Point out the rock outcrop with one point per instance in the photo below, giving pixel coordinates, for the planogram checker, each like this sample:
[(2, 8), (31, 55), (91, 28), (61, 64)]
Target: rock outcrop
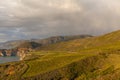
[(23, 47), (21, 52)]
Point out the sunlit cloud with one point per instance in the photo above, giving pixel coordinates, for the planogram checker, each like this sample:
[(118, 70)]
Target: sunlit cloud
[(25, 19)]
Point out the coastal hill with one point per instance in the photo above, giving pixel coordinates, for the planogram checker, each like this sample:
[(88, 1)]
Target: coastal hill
[(22, 47), (93, 58), (50, 40)]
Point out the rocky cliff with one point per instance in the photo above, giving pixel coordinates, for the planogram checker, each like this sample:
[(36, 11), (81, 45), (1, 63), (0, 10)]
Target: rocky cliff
[(21, 52), (22, 47)]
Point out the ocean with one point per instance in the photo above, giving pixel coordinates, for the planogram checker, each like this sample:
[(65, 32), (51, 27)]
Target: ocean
[(8, 59)]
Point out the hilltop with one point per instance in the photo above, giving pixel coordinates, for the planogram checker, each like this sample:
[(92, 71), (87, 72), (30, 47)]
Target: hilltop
[(46, 41), (110, 40), (91, 58)]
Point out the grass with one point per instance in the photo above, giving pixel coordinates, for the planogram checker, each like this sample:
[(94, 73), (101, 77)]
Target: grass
[(104, 41), (96, 58), (12, 71), (50, 62), (73, 66), (68, 65)]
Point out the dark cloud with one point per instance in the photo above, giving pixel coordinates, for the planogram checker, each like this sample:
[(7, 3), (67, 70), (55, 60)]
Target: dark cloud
[(25, 19)]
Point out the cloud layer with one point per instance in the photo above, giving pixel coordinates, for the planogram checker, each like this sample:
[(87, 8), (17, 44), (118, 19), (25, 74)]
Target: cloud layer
[(25, 19)]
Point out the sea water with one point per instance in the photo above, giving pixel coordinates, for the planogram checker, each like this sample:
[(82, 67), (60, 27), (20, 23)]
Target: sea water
[(9, 59)]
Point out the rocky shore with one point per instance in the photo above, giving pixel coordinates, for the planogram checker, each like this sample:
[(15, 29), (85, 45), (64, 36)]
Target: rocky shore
[(21, 52)]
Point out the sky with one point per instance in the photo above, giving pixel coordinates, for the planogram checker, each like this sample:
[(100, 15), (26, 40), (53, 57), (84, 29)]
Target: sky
[(36, 19)]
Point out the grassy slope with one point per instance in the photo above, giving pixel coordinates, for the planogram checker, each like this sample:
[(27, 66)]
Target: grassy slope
[(109, 43), (51, 62), (74, 66), (110, 40), (94, 58)]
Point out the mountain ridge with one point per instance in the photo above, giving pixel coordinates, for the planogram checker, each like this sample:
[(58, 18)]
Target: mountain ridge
[(50, 40), (97, 41)]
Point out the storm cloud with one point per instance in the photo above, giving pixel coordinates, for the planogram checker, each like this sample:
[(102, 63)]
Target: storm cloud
[(26, 19)]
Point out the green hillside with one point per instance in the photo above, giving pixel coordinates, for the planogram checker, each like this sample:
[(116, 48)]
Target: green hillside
[(110, 40), (96, 58), (38, 42)]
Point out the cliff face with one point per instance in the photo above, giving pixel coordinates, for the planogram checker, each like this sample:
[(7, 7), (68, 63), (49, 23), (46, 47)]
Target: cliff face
[(22, 47), (21, 52)]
